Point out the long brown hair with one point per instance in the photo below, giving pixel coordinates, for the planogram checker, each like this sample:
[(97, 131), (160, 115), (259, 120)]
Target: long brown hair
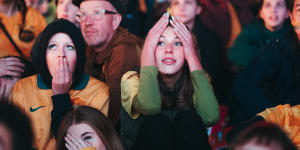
[(94, 119), (180, 97)]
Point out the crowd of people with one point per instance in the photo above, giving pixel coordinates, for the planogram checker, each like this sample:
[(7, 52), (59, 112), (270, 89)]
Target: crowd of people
[(149, 74)]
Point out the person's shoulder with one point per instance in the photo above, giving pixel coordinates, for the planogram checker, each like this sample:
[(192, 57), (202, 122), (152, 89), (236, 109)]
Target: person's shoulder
[(254, 27), (95, 83), (28, 81), (26, 85), (126, 38)]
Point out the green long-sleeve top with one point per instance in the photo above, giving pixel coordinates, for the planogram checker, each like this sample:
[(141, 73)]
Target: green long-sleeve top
[(252, 38), (141, 94)]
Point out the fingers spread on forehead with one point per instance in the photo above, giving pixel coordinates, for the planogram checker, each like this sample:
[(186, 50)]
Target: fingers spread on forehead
[(161, 24), (180, 25), (70, 144), (179, 31), (80, 143)]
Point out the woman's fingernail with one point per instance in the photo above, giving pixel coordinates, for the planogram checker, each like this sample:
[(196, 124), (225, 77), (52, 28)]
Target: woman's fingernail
[(171, 21), (177, 17), (168, 14), (172, 17)]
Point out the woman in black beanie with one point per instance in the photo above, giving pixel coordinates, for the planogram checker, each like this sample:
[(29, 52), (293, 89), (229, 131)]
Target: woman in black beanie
[(60, 85)]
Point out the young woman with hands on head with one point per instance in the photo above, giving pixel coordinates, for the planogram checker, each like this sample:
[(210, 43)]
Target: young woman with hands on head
[(171, 100)]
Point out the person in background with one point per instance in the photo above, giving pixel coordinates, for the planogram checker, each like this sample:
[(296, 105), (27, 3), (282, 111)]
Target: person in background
[(262, 136), (67, 10), (112, 50), (272, 23), (272, 78), (60, 84), (15, 128), (20, 26), (168, 104), (86, 128)]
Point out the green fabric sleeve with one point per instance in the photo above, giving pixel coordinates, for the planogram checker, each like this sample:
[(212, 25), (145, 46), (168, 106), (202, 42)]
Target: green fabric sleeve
[(148, 101), (206, 104)]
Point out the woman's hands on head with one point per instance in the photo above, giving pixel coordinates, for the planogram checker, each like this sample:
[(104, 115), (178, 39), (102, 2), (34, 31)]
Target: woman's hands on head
[(187, 40), (62, 78), (147, 57), (185, 36), (75, 143)]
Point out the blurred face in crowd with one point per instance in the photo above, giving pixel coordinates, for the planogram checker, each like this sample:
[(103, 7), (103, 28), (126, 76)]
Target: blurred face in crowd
[(96, 26), (67, 10), (5, 138), (187, 10), (295, 16), (274, 13), (87, 134), (253, 145), (169, 53), (61, 47)]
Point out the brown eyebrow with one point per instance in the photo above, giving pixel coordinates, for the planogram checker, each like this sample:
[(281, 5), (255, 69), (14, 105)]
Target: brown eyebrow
[(85, 133)]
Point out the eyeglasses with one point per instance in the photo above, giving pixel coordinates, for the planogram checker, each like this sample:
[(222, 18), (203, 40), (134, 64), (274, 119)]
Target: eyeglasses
[(98, 14)]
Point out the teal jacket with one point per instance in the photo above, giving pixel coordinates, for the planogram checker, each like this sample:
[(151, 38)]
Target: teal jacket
[(252, 38)]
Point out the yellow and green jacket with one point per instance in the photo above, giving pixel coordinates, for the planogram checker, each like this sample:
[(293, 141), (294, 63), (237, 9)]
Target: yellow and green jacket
[(35, 98)]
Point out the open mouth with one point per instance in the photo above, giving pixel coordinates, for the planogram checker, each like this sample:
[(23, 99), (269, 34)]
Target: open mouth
[(168, 61), (273, 18)]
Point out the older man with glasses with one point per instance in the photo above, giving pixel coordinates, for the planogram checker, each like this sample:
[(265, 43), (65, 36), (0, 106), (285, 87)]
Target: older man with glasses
[(112, 50)]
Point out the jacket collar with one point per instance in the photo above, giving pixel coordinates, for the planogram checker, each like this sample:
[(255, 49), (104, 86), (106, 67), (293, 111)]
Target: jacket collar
[(81, 85)]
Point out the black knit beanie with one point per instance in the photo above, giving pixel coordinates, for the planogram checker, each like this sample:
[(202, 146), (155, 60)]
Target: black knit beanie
[(38, 53), (119, 6)]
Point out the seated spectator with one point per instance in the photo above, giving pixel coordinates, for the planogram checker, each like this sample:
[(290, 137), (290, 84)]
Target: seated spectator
[(15, 128), (273, 77), (272, 23), (19, 28), (262, 136), (86, 128), (209, 44), (171, 98), (67, 10), (61, 83), (112, 50)]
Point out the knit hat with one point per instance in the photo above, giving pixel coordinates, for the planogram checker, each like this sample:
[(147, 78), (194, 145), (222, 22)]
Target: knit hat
[(38, 53), (119, 6)]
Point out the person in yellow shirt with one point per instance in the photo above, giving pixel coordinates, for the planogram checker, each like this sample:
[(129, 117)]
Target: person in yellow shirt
[(60, 84), (22, 25)]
